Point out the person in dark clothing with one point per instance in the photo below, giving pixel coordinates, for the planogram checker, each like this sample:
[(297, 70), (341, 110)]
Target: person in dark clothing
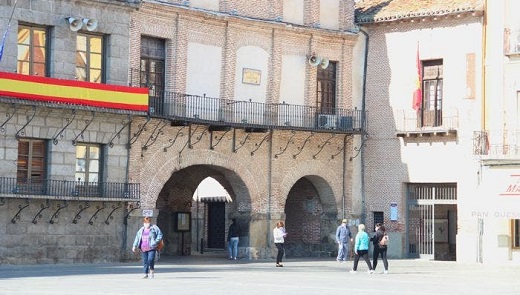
[(378, 248), (232, 239)]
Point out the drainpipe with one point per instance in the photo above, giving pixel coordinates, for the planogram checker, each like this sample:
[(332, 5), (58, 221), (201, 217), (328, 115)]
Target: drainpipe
[(127, 176), (269, 188), (363, 125)]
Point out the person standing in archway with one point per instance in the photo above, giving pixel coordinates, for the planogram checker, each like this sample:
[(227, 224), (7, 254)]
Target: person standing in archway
[(343, 237), (147, 239), (232, 239), (279, 235)]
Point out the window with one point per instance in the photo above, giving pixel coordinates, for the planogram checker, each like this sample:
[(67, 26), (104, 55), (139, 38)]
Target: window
[(152, 71), (431, 112), (32, 50), (89, 58), (88, 163), (326, 95), (515, 225), (31, 163), (379, 217)]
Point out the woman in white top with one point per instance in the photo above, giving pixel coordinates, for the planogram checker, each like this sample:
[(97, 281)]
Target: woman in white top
[(279, 235)]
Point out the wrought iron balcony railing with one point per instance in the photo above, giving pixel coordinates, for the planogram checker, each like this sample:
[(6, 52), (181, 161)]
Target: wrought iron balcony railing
[(426, 121), (69, 189), (497, 144), (247, 114)]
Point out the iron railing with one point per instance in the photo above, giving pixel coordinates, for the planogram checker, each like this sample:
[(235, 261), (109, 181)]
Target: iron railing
[(497, 143), (70, 189), (426, 120), (249, 114)]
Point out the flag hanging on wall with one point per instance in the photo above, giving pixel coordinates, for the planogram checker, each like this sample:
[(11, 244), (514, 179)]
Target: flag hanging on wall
[(3, 43), (417, 94)]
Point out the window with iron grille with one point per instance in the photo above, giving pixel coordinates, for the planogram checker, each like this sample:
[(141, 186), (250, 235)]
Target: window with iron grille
[(33, 50), (90, 58), (379, 217)]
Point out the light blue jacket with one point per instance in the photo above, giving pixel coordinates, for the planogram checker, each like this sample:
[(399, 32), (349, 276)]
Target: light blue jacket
[(153, 239), (362, 241)]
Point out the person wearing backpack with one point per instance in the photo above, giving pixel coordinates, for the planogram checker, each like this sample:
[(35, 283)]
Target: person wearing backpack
[(146, 240), (380, 242)]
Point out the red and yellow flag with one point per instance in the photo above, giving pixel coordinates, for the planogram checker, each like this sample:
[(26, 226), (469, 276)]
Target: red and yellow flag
[(417, 94), (54, 90)]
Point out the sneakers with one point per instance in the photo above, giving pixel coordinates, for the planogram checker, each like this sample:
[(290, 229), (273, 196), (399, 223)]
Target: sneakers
[(352, 271), (151, 275), (385, 272), (370, 272), (145, 277)]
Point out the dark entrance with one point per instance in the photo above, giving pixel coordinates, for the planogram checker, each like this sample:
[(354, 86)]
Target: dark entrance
[(216, 225)]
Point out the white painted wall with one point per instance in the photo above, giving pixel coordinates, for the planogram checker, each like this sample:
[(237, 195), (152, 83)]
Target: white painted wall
[(206, 4), (293, 11), (329, 14)]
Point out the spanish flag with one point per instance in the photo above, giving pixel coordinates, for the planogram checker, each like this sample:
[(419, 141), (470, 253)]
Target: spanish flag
[(417, 94)]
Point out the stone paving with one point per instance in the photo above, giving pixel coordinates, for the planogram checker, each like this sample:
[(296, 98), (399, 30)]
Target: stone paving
[(210, 275)]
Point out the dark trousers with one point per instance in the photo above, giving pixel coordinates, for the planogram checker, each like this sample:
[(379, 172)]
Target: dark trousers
[(377, 252), (364, 254), (281, 251)]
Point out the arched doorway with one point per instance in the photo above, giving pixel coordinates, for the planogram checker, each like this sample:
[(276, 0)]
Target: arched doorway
[(311, 218), (176, 201)]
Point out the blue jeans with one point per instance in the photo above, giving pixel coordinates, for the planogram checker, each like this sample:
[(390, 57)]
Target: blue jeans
[(148, 260), (233, 247), (342, 251)]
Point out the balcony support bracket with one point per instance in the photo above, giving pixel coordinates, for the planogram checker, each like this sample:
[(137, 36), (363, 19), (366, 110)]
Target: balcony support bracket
[(340, 149), (81, 209), (60, 133), (361, 146), (218, 139), (56, 213), (9, 115), (173, 140), (126, 123), (140, 129), (303, 145), (99, 208), (29, 119), (131, 207), (20, 209), (258, 145), (87, 123), (114, 208), (39, 214), (282, 150), (241, 143), (153, 137), (323, 145)]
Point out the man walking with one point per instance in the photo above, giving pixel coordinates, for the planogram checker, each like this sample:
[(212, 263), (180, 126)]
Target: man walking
[(343, 237)]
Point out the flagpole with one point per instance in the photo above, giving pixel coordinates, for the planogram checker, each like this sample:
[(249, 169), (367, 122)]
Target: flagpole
[(7, 30)]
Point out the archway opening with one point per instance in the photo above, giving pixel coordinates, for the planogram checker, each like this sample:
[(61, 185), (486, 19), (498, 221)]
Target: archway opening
[(311, 218)]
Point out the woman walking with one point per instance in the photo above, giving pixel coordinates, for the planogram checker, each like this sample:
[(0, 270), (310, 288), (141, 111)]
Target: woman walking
[(361, 249), (279, 237), (380, 247), (147, 239)]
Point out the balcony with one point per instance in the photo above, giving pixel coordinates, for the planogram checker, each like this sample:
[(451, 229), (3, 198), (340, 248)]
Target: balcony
[(412, 123), (497, 144), (185, 108), (512, 41), (69, 190)]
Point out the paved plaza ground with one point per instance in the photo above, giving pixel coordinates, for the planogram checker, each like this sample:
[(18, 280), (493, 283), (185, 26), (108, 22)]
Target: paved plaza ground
[(200, 274)]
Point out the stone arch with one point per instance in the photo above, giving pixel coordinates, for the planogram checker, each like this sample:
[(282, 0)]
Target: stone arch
[(327, 183), (159, 169)]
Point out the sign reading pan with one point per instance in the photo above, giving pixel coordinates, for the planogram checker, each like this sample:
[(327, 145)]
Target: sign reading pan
[(251, 76)]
